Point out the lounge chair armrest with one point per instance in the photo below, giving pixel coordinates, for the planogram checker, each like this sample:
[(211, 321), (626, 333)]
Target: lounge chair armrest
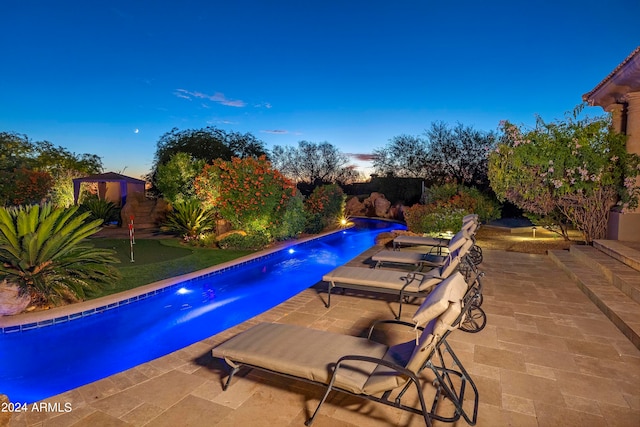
[(394, 322), (400, 369), (413, 274)]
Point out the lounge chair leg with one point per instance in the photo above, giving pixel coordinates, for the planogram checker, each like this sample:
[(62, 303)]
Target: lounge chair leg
[(400, 308), (329, 287), (231, 374), (324, 398)]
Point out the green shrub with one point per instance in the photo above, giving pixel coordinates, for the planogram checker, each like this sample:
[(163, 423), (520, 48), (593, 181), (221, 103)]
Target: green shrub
[(434, 219), (324, 207), (190, 219), (461, 197), (100, 209), (237, 241), (440, 193), (293, 220)]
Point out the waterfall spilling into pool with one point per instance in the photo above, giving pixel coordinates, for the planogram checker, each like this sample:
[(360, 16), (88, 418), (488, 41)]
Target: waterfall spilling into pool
[(44, 361)]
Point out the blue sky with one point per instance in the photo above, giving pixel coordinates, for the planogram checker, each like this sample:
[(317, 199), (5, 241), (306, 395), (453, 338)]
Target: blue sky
[(110, 77)]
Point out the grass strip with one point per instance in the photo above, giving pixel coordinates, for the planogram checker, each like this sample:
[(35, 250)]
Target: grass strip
[(158, 259)]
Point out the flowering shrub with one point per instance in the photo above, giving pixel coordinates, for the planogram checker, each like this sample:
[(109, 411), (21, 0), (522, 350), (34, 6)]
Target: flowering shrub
[(462, 197), (434, 218), (324, 207), (578, 168), (26, 187), (247, 192)]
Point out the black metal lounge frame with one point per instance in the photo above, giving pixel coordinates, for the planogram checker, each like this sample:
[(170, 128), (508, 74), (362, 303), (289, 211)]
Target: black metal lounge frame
[(403, 294), (445, 385)]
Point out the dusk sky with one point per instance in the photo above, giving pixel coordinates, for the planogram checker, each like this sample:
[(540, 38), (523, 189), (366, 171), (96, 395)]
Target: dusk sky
[(110, 77)]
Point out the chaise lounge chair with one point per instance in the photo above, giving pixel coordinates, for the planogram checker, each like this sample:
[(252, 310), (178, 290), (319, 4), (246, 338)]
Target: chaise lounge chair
[(470, 224), (404, 284), (361, 367), (433, 258)]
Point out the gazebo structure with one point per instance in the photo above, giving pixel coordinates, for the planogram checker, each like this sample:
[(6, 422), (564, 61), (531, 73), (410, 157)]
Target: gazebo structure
[(619, 94), (112, 186)]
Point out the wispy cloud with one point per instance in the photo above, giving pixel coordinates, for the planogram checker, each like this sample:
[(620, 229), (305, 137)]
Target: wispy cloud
[(221, 121), (217, 97), (363, 157), (266, 105), (275, 131)]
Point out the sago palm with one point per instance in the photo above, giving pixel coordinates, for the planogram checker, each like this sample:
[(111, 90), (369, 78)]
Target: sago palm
[(190, 219), (44, 252)]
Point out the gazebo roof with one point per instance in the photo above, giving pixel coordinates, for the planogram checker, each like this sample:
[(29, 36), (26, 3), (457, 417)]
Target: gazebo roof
[(623, 79), (109, 177)]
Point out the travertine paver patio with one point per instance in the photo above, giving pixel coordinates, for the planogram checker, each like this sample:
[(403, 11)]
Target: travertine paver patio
[(548, 357)]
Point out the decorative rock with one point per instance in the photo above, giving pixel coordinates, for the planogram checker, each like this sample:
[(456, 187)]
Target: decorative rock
[(159, 211), (381, 207), (354, 207), (11, 302)]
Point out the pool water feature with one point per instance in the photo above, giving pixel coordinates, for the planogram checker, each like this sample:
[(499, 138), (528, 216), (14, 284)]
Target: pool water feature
[(41, 362)]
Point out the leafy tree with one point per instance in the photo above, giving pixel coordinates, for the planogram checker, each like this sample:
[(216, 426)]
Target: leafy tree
[(24, 163), (247, 192), (313, 163), (64, 166), (175, 178), (578, 168), (442, 154), (206, 144), (44, 252), (405, 156), (459, 154)]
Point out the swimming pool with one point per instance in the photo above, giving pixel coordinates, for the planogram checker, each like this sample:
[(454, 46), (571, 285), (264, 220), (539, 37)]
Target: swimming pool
[(45, 361)]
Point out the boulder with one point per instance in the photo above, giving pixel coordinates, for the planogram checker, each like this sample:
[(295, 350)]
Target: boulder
[(11, 302), (354, 207), (381, 207), (369, 203)]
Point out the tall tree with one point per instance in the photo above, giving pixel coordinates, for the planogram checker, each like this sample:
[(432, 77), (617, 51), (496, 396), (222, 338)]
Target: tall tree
[(459, 154), (313, 163), (207, 144), (441, 154), (405, 156)]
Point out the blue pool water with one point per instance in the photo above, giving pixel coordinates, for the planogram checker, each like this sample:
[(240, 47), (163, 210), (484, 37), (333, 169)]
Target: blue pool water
[(42, 362)]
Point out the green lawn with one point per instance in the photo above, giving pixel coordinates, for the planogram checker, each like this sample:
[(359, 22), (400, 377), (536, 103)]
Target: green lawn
[(157, 259)]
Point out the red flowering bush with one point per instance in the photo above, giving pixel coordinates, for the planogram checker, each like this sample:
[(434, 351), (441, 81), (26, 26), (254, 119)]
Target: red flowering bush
[(247, 192), (27, 187)]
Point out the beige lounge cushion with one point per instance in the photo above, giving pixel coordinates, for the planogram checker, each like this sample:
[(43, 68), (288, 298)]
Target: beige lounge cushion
[(399, 257), (383, 279), (303, 352), (431, 335), (452, 289)]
